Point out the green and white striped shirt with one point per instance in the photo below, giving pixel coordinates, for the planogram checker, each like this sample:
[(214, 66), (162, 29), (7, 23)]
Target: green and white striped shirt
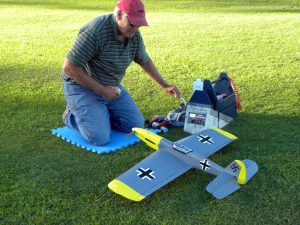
[(98, 50)]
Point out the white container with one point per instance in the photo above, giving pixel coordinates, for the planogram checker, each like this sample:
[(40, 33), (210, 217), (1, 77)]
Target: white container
[(198, 85)]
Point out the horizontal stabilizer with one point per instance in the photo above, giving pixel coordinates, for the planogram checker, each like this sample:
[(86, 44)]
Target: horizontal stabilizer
[(223, 185), (228, 181)]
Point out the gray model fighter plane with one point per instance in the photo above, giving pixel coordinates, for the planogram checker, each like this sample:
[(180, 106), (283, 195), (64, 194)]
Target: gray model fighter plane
[(175, 158)]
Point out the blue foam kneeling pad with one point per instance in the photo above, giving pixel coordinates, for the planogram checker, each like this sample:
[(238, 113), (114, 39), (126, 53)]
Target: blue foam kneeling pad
[(118, 140)]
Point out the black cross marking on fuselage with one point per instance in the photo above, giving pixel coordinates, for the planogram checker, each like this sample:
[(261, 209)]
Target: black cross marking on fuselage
[(205, 165), (205, 139), (145, 173)]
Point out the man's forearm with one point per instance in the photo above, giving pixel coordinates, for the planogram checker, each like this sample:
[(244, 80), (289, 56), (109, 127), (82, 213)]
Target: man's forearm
[(151, 70), (81, 77)]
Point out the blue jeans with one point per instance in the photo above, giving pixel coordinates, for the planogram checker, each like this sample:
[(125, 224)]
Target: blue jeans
[(93, 116)]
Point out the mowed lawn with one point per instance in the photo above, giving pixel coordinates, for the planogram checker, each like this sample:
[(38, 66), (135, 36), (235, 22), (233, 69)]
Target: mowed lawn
[(44, 180)]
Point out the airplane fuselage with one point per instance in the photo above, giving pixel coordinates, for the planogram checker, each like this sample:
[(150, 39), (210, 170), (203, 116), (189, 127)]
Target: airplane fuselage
[(191, 157)]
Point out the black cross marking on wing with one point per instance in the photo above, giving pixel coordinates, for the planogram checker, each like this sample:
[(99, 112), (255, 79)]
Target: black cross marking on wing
[(205, 139), (145, 173)]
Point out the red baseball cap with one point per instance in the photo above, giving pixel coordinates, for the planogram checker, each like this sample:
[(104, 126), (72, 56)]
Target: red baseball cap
[(135, 11)]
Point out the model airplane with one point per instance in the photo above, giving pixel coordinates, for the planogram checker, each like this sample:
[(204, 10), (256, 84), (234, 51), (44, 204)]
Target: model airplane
[(173, 159)]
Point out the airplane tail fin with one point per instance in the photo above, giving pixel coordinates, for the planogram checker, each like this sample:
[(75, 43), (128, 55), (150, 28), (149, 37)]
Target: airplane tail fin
[(238, 172)]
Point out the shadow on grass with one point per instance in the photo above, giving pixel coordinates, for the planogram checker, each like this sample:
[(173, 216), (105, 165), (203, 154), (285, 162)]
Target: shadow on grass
[(228, 6), (33, 161)]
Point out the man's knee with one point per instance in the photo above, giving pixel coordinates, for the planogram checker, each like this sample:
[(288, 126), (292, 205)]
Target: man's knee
[(139, 121), (99, 138), (126, 124)]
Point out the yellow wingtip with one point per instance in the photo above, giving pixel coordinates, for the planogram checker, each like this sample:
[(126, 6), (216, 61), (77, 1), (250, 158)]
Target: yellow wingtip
[(123, 189), (241, 179), (225, 133), (151, 139)]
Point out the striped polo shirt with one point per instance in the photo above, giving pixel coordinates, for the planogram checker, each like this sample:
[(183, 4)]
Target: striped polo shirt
[(98, 51)]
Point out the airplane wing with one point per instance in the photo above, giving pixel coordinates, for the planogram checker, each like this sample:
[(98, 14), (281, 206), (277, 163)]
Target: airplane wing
[(149, 175), (205, 143)]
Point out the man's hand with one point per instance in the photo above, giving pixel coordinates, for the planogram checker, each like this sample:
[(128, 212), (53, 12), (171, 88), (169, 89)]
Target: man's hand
[(110, 92), (173, 90)]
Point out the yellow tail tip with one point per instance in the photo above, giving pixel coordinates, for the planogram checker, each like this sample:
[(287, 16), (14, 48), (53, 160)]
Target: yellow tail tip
[(241, 179)]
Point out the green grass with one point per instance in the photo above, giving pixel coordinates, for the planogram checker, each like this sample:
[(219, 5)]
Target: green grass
[(44, 180)]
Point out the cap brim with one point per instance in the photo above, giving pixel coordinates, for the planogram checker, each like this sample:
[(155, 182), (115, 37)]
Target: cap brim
[(137, 21)]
